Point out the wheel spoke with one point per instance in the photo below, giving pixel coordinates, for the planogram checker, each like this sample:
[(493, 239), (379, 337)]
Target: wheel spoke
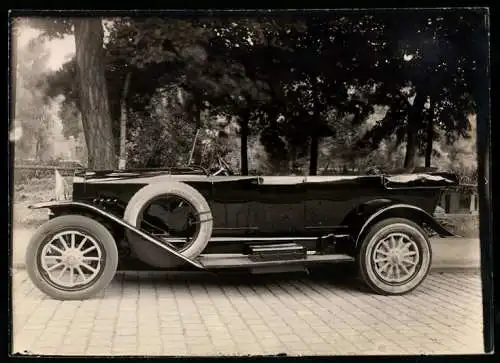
[(404, 247), (90, 268), (61, 273), (63, 241), (80, 272), (53, 257), (413, 263), (400, 244), (82, 242), (72, 240), (384, 268), (394, 272), (71, 276), (55, 266), (91, 258), (89, 249), (384, 253), (386, 271), (398, 273), (403, 267), (382, 259), (410, 253), (386, 245), (393, 242), (52, 248)]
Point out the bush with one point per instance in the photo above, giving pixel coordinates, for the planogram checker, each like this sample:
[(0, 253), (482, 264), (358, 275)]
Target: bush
[(464, 225)]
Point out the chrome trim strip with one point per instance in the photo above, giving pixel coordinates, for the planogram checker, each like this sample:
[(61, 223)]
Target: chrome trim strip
[(236, 239), (342, 235), (257, 239), (284, 248), (236, 228)]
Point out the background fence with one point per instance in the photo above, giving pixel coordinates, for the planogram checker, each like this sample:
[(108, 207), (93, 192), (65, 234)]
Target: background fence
[(25, 173)]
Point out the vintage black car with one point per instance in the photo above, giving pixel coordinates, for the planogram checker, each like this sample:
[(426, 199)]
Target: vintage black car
[(189, 218)]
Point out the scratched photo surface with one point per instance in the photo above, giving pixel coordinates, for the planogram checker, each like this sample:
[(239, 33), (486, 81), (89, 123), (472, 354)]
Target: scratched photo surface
[(258, 183)]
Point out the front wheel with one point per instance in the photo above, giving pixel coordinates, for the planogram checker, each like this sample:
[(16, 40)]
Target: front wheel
[(395, 257), (71, 257)]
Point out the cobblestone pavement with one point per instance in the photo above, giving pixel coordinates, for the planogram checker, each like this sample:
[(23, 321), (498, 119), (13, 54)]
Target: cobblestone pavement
[(197, 314)]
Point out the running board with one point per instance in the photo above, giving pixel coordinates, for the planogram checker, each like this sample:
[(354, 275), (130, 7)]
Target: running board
[(222, 261)]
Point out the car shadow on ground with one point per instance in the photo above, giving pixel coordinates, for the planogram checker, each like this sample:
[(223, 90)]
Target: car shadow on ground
[(341, 277)]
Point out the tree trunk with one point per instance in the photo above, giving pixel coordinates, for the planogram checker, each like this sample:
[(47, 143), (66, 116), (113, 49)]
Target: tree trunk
[(94, 103), (430, 139), (313, 163), (122, 162), (197, 154), (37, 149), (411, 145), (293, 158), (244, 144), (414, 121)]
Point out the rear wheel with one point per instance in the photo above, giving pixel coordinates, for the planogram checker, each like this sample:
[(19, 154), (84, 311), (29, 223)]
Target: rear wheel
[(71, 257), (395, 257)]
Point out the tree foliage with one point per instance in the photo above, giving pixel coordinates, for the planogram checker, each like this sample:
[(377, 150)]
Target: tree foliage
[(426, 80), (33, 111), (305, 87)]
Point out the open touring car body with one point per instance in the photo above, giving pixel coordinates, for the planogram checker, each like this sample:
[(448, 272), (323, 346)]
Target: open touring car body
[(263, 223)]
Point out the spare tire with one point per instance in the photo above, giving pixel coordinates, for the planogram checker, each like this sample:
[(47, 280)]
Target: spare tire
[(152, 254)]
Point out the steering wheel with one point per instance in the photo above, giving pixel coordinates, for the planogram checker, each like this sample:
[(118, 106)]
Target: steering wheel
[(224, 167)]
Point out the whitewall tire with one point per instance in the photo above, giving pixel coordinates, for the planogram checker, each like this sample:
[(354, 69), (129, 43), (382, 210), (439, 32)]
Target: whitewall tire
[(395, 257)]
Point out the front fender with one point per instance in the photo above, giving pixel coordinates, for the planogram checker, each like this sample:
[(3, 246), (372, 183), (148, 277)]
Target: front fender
[(407, 211), (56, 204), (81, 206)]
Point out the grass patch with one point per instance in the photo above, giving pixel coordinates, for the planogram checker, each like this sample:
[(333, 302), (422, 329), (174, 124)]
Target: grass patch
[(31, 191), (34, 190)]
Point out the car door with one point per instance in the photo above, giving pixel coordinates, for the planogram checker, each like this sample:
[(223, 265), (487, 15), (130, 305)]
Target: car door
[(233, 205), (329, 199), (281, 205)]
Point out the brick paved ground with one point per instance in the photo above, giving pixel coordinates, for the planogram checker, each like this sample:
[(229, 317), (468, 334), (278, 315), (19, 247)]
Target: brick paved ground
[(155, 314)]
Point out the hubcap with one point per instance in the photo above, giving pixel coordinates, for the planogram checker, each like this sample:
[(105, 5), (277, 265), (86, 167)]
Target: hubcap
[(71, 259), (396, 258)]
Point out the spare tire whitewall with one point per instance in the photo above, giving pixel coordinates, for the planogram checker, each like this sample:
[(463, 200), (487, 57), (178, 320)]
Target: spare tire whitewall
[(152, 254), (395, 256), (71, 257)]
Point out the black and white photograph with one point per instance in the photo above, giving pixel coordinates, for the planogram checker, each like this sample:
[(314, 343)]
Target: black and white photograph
[(235, 183)]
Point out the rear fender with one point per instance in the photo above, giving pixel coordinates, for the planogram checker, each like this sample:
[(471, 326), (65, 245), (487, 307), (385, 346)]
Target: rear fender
[(410, 212), (356, 218), (70, 206)]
